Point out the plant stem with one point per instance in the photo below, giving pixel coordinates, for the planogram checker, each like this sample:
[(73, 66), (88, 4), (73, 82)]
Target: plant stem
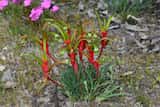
[(55, 82), (100, 52)]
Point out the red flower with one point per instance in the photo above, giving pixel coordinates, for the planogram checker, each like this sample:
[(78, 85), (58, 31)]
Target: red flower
[(94, 62), (45, 68), (72, 56), (81, 47), (104, 39), (104, 42), (67, 42), (69, 32), (104, 34), (96, 66), (47, 50), (75, 67), (91, 55)]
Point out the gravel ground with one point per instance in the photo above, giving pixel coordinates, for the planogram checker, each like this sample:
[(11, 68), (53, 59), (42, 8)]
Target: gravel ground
[(135, 51)]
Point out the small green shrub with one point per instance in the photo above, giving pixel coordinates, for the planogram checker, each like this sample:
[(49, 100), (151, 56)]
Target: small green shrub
[(128, 7), (86, 87)]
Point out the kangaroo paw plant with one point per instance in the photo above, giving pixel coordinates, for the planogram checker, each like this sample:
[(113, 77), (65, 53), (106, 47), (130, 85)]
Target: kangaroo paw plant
[(84, 78)]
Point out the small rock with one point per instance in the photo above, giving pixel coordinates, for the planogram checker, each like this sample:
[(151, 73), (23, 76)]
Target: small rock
[(143, 35), (43, 99), (5, 48), (158, 1), (104, 13), (2, 67), (3, 57), (156, 48), (101, 5), (90, 13), (56, 71), (114, 27), (155, 39), (61, 97), (49, 90), (9, 84), (81, 6), (49, 105), (128, 73), (69, 104), (63, 104), (135, 28), (34, 101), (7, 76)]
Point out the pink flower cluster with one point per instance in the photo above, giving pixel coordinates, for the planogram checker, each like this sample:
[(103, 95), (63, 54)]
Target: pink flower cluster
[(3, 4), (35, 12), (27, 3), (38, 11)]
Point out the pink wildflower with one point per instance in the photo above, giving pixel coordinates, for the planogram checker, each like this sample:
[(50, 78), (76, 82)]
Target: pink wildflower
[(54, 8), (27, 3), (45, 4), (36, 13), (16, 1), (3, 4)]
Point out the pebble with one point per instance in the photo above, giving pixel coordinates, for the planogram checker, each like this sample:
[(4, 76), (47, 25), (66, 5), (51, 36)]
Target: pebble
[(69, 104), (7, 76), (3, 58), (143, 35), (90, 13), (101, 5), (5, 48), (135, 28), (104, 13), (9, 84), (2, 67), (56, 71), (158, 1), (81, 6), (61, 97), (43, 99)]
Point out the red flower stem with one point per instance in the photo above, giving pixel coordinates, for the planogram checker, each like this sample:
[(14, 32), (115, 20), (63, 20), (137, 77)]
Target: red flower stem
[(54, 82), (52, 57), (96, 66), (47, 50), (100, 52), (74, 64)]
